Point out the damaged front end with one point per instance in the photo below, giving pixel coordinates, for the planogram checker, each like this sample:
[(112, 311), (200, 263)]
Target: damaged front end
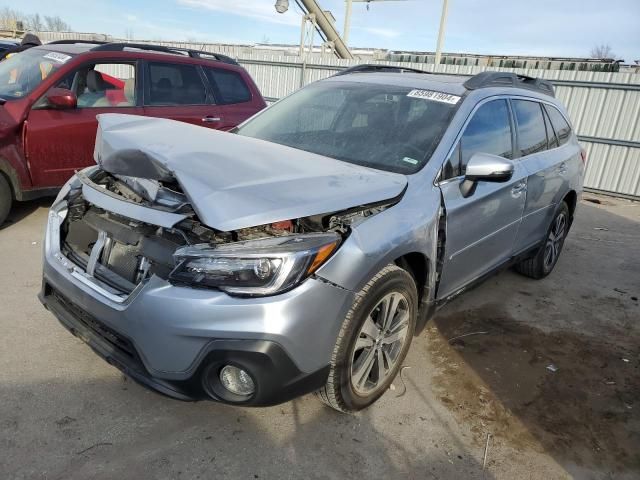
[(116, 231)]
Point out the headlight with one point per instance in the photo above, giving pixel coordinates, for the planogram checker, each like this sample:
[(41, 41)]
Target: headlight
[(254, 268)]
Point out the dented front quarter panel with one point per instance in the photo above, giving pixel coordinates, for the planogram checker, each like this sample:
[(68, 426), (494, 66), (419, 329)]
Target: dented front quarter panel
[(411, 226)]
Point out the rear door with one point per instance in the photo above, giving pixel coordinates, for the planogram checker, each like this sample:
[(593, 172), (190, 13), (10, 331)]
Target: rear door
[(546, 163), (480, 229), (232, 95), (59, 142), (179, 91)]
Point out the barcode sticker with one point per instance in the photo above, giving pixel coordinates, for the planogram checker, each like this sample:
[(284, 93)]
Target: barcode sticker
[(434, 96), (58, 57)]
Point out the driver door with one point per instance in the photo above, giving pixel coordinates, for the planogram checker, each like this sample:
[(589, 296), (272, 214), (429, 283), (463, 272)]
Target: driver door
[(481, 228), (59, 142)]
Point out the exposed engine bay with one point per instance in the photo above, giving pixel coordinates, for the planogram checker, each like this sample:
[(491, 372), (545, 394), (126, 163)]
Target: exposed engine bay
[(132, 251)]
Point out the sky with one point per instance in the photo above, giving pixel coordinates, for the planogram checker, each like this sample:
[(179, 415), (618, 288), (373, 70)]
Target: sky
[(560, 28)]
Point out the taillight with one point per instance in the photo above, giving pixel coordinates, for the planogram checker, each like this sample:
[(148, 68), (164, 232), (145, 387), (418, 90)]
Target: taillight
[(583, 155)]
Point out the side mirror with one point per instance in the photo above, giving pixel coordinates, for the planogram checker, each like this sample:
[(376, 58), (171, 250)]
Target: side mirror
[(62, 99), (485, 167)]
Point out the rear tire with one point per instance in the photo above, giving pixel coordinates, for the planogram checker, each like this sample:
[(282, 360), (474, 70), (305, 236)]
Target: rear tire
[(542, 264), (373, 341), (5, 198)]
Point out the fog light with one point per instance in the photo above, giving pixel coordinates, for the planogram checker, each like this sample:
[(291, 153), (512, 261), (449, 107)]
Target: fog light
[(237, 381)]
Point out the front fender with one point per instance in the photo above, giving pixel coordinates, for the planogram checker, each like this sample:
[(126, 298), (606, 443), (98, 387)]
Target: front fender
[(408, 227)]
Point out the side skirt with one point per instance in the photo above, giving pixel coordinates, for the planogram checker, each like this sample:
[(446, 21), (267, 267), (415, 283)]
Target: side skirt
[(528, 253)]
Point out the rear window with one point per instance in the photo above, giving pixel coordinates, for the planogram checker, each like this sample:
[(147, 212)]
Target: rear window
[(228, 86), (387, 127)]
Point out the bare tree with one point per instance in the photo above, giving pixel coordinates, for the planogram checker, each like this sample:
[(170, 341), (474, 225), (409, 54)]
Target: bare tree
[(56, 24), (9, 18), (602, 51), (34, 23)]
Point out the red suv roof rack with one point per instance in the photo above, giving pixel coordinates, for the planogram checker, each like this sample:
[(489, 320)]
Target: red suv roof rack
[(118, 47)]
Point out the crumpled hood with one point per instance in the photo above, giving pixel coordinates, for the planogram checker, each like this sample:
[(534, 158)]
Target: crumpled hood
[(236, 182)]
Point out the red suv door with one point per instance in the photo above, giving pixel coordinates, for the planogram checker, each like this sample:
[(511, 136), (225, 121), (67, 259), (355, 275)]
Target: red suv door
[(233, 95), (59, 142), (178, 91)]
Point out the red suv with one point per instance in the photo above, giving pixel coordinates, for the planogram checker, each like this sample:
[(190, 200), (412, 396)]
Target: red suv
[(50, 96)]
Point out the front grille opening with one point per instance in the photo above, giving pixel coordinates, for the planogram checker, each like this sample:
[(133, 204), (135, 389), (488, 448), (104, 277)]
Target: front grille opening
[(131, 253)]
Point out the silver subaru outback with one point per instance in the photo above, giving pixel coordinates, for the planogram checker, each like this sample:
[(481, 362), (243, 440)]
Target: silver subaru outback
[(303, 251)]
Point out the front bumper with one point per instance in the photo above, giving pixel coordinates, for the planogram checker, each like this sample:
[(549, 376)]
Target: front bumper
[(278, 378), (165, 336)]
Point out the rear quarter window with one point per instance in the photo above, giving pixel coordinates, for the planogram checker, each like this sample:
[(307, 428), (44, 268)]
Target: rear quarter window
[(560, 125)]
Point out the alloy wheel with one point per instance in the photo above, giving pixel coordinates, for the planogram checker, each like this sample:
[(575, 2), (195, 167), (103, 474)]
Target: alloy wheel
[(378, 346), (554, 241)]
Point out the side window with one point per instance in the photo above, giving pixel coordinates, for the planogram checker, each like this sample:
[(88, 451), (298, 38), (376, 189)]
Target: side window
[(451, 167), (560, 125), (532, 136), (489, 131), (228, 86), (103, 85), (175, 84)]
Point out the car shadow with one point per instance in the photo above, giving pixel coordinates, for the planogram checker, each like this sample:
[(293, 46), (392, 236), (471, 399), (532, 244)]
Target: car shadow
[(21, 210), (553, 365)]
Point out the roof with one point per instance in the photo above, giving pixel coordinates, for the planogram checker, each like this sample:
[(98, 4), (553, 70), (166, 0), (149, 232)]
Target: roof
[(452, 84), (71, 48)]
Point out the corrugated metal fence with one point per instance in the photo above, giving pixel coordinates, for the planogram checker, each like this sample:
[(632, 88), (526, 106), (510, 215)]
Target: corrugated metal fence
[(604, 107)]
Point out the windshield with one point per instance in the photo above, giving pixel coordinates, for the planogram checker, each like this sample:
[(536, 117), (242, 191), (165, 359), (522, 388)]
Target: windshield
[(24, 71), (381, 126)]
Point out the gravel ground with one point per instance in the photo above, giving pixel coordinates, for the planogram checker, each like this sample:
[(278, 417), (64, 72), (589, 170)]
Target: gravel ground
[(66, 414)]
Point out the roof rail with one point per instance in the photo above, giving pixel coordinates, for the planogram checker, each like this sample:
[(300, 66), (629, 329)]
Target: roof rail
[(509, 79), (118, 47), (73, 42), (371, 67)]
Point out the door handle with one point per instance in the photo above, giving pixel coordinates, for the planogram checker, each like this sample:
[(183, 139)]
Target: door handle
[(211, 119), (517, 189)]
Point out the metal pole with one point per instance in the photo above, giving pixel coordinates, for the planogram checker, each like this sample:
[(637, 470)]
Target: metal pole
[(302, 32), (443, 23), (347, 22)]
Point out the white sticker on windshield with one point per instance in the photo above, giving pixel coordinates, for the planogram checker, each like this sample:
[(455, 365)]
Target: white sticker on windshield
[(58, 57), (410, 160), (435, 96)]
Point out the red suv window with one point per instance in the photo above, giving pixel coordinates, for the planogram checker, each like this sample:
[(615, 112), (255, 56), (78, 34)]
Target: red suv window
[(175, 84), (229, 87)]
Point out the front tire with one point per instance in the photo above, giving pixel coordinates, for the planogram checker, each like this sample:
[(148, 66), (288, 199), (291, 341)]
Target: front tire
[(373, 341), (545, 260), (5, 198)]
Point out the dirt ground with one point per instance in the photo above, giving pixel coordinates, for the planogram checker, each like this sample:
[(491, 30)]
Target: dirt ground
[(515, 379)]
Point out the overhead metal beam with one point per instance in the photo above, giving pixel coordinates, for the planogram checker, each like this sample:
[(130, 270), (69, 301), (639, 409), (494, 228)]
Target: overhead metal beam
[(328, 28)]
